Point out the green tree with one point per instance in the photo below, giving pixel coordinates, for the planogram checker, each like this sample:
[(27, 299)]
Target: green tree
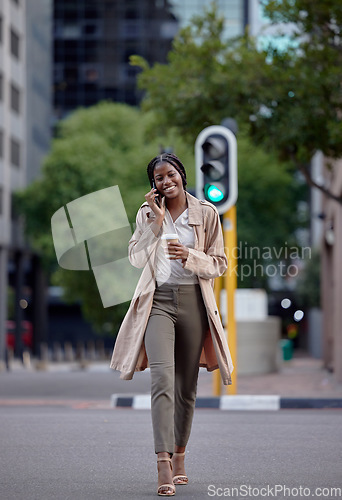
[(288, 101), (95, 148), (207, 79), (267, 215)]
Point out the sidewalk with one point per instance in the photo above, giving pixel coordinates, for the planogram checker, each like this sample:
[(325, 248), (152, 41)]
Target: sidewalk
[(301, 377), (301, 383)]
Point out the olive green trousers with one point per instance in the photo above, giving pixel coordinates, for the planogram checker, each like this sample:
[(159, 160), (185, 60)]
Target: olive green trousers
[(173, 339)]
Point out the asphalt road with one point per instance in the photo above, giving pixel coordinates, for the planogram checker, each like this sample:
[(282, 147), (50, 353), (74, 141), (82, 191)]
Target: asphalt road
[(97, 383), (62, 453)]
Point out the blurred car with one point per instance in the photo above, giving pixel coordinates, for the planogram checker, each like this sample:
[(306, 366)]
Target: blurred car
[(26, 336)]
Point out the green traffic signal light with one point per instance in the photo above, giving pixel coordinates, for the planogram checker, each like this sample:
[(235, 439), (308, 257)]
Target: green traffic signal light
[(216, 172), (213, 193)]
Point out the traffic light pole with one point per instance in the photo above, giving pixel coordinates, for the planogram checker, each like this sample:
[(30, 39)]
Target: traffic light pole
[(230, 282), (216, 179)]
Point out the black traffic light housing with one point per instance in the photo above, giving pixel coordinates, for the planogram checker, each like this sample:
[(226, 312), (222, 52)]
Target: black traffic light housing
[(216, 167)]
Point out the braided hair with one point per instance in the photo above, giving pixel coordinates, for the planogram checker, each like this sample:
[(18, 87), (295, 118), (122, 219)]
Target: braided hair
[(166, 158)]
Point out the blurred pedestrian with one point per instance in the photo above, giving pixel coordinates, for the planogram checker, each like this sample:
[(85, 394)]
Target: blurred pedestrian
[(173, 324)]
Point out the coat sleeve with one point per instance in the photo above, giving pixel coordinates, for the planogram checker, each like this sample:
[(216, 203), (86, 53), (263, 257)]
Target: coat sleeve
[(143, 241), (212, 262)]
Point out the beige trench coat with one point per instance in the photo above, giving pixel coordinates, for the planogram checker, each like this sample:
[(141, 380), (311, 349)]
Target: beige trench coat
[(207, 260)]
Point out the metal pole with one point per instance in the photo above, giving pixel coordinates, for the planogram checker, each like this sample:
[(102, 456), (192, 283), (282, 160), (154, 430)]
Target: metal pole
[(19, 283), (3, 305), (230, 240), (39, 305)]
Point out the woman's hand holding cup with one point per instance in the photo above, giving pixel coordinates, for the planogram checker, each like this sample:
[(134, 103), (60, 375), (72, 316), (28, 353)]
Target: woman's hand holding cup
[(173, 248)]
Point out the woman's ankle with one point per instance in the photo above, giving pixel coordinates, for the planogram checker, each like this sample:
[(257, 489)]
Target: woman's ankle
[(179, 449)]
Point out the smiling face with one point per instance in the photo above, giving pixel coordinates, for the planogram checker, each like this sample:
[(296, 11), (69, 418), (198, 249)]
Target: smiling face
[(168, 180)]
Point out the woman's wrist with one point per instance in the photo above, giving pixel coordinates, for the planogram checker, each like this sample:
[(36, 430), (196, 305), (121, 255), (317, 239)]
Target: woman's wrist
[(156, 226), (159, 220)]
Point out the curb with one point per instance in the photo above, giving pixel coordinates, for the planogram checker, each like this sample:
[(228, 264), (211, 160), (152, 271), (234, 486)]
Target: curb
[(242, 402)]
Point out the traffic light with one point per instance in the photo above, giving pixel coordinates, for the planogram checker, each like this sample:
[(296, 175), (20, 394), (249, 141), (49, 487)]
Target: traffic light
[(216, 167)]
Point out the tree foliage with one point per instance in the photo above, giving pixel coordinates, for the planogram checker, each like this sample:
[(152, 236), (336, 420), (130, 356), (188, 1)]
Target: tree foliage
[(267, 214), (287, 100)]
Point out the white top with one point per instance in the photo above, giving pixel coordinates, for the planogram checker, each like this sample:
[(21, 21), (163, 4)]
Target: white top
[(172, 271)]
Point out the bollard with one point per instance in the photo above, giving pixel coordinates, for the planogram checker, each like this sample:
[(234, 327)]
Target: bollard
[(101, 354), (91, 354), (69, 352), (57, 352), (9, 358), (80, 356), (44, 352), (27, 360), (80, 351), (42, 363)]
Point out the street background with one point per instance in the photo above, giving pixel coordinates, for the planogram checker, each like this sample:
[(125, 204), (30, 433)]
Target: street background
[(89, 93), (60, 439), (302, 376)]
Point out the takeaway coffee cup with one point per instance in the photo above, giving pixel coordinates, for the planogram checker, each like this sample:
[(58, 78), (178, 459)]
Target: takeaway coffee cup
[(169, 238)]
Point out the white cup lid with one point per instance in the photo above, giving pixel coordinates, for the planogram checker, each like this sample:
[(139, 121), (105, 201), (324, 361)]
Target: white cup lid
[(170, 236)]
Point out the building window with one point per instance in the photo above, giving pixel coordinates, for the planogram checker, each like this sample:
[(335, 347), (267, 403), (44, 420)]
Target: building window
[(91, 12), (131, 29), (90, 73), (15, 99), (15, 41), (0, 29), (131, 14), (71, 31), (15, 153), (91, 29)]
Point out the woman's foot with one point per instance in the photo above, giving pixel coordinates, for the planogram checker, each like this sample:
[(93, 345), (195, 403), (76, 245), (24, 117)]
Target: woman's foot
[(179, 475), (165, 482)]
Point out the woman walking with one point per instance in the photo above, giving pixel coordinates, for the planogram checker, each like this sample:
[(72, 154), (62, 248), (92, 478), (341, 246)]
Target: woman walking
[(172, 323)]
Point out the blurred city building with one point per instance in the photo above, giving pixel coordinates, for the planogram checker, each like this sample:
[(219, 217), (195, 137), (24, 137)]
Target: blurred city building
[(25, 124), (93, 41)]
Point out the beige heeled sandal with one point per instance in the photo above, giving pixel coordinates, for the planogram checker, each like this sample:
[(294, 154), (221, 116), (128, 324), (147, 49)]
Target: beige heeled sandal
[(180, 478), (170, 488)]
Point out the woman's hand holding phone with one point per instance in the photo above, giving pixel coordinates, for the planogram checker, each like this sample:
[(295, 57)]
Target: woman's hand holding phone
[(158, 197), (157, 203)]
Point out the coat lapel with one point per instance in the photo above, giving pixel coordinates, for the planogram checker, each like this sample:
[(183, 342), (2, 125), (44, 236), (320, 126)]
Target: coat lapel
[(196, 219), (194, 210)]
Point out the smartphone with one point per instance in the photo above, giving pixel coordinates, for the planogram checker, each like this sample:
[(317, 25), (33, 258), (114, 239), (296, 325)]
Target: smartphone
[(158, 194)]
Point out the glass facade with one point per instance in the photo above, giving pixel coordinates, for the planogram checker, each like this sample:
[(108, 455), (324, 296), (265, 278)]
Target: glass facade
[(232, 10), (92, 45), (93, 41)]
